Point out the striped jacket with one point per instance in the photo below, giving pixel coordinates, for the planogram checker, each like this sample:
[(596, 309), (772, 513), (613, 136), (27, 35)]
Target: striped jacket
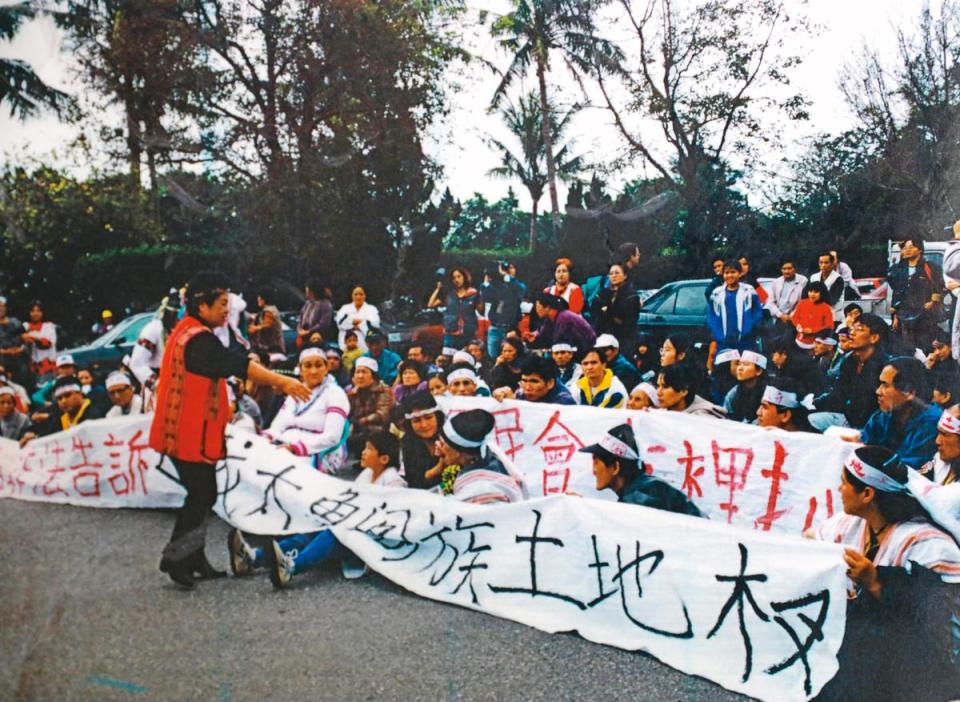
[(611, 392)]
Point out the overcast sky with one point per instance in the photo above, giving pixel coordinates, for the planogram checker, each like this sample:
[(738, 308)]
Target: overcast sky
[(458, 142)]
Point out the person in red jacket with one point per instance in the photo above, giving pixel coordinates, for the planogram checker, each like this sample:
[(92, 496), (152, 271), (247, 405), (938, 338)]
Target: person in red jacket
[(813, 315), (191, 414)]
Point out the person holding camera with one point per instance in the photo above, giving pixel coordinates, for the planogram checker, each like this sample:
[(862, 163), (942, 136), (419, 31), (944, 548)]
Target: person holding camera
[(504, 297), (462, 304)]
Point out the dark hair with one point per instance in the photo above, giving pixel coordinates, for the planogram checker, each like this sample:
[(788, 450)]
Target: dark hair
[(625, 251), (596, 351), (680, 377), (798, 415), (37, 303), (204, 288), (267, 293), (910, 377), (828, 254), (386, 444), (732, 263), (817, 286), (851, 307), (467, 278), (350, 332), (535, 364), (894, 506), (876, 325), (680, 341), (787, 259), (415, 366), (915, 240), (628, 469), (554, 302), (783, 343), (516, 344), (318, 288), (946, 382)]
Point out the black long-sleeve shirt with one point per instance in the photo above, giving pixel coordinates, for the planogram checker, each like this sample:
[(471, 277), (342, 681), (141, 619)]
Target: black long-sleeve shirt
[(206, 356)]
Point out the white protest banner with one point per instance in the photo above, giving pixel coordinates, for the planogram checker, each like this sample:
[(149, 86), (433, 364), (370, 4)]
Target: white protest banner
[(101, 463), (735, 473), (762, 614)]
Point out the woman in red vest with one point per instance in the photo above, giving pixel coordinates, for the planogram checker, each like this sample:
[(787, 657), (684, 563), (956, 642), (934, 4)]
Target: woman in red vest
[(192, 412)]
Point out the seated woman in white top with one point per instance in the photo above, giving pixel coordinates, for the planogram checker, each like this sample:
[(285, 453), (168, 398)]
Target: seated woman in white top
[(317, 428)]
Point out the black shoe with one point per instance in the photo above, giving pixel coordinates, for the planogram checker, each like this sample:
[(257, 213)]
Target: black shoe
[(202, 570), (179, 572)]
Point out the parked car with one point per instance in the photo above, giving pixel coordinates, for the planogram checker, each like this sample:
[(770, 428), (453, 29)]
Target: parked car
[(677, 306), (106, 351)]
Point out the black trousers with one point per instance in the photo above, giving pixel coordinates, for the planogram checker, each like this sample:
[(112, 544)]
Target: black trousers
[(189, 530)]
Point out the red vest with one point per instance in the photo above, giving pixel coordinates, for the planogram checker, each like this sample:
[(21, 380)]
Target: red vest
[(191, 410)]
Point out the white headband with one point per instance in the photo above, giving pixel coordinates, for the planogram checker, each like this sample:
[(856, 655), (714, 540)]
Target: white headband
[(452, 434), (556, 348), (117, 378), (312, 352), (648, 390), (948, 423), (64, 389), (464, 357), (826, 340), (728, 355), (462, 374), (780, 398), (755, 358), (617, 447), (421, 412), (7, 390), (869, 475), (367, 362)]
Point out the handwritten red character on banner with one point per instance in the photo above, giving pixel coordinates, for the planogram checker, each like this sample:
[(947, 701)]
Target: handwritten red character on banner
[(507, 423), (690, 472), (731, 471), (86, 478), (812, 511), (52, 455), (127, 464), (558, 444), (776, 475)]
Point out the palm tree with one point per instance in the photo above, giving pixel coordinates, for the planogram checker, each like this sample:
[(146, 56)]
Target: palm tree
[(525, 122), (20, 87), (529, 33)]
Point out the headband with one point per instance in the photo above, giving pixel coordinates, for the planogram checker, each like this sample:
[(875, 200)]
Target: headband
[(780, 398), (873, 477), (648, 390), (7, 390), (728, 355), (421, 412), (462, 374), (367, 362), (826, 340), (556, 348), (948, 423), (117, 378), (451, 433), (65, 389), (312, 352), (755, 358), (464, 357), (617, 447), (448, 351)]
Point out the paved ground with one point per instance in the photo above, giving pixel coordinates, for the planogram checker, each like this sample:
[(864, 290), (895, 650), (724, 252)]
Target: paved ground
[(86, 615)]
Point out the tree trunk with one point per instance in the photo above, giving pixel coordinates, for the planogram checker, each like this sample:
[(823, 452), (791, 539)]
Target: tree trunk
[(548, 147), (533, 224), (134, 146)]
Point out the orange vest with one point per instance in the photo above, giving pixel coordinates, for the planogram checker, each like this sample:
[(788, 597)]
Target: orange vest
[(191, 410)]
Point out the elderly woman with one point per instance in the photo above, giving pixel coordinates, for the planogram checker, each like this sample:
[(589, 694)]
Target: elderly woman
[(419, 461), (462, 304), (370, 402), (564, 287), (359, 316), (13, 423), (615, 309), (317, 428)]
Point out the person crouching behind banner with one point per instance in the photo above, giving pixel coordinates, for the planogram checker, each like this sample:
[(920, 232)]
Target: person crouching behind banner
[(298, 553), (191, 415), (781, 407), (944, 467), (471, 471), (317, 428), (904, 570), (419, 461), (617, 466), (72, 409)]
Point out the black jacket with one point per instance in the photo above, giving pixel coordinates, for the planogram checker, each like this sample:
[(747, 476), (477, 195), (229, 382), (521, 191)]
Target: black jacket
[(647, 491), (855, 394)]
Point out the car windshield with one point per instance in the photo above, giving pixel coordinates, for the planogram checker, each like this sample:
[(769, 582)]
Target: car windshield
[(128, 331)]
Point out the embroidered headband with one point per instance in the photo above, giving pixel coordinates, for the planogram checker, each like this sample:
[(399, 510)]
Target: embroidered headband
[(462, 374), (755, 358), (67, 389), (873, 477), (948, 423), (726, 356), (450, 433), (117, 378), (312, 352), (780, 398), (617, 447)]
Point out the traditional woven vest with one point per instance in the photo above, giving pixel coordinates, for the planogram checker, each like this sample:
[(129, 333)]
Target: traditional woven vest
[(191, 410)]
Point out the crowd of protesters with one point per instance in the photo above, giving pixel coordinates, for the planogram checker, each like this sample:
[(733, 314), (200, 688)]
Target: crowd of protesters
[(797, 354)]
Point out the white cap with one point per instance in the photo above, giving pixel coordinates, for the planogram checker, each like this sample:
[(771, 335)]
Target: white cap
[(367, 362), (116, 379), (606, 341), (65, 359)]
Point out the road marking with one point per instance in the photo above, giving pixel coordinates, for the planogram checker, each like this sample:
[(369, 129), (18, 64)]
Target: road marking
[(119, 684)]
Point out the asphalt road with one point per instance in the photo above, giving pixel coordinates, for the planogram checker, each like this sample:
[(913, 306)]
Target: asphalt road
[(86, 615)]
